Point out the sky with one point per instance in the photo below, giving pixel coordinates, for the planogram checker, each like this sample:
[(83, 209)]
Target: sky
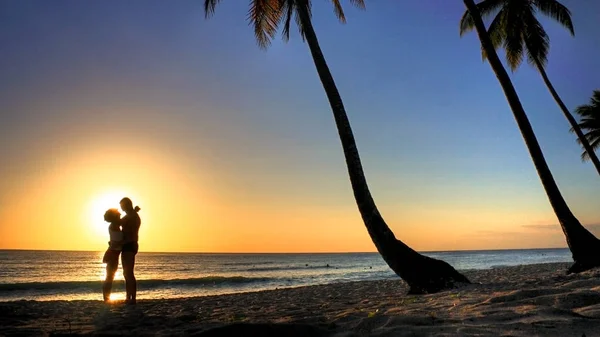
[(230, 148)]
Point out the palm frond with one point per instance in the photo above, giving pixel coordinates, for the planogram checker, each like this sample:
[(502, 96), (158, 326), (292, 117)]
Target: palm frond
[(466, 23), (287, 10), (594, 141), (593, 126), (265, 16), (596, 98), (338, 10), (590, 122), (592, 109), (513, 39), (302, 5), (537, 41), (595, 144), (209, 7), (592, 137), (584, 110), (496, 32), (486, 9), (556, 11), (360, 4)]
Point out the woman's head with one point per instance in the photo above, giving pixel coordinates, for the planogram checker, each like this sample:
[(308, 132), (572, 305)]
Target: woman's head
[(112, 215), (127, 206)]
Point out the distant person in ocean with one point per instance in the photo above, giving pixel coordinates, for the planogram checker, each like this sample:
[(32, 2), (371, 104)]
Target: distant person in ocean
[(111, 256), (130, 225)]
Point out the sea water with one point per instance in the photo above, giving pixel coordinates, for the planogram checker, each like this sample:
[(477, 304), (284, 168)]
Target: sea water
[(69, 275)]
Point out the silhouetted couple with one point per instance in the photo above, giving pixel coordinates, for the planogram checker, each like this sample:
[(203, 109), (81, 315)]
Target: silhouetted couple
[(123, 241)]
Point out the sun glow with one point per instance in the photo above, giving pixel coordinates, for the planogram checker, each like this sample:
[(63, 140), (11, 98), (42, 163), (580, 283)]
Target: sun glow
[(118, 274), (99, 205), (117, 297)]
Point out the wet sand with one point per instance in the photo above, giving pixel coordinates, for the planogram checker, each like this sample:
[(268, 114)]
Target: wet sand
[(533, 300)]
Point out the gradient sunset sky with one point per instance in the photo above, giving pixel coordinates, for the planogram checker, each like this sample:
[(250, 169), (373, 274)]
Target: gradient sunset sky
[(228, 148)]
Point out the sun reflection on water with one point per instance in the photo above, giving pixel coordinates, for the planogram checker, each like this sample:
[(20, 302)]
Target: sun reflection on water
[(102, 270), (117, 297), (118, 275)]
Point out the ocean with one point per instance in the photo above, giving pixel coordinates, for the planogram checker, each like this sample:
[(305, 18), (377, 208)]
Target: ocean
[(67, 275)]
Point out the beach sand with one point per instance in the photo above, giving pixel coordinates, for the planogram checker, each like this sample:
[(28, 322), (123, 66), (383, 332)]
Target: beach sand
[(533, 300)]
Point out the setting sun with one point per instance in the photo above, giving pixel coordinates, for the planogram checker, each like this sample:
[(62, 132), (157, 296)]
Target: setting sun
[(99, 205)]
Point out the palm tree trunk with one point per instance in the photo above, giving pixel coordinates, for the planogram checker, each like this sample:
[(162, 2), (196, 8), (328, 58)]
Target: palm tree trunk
[(574, 125), (584, 246), (423, 274)]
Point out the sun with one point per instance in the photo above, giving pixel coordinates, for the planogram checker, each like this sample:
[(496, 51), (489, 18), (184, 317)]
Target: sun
[(99, 205)]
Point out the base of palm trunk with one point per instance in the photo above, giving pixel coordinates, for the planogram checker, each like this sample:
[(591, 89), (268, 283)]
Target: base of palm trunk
[(434, 276), (424, 275), (579, 267), (585, 248), (583, 265)]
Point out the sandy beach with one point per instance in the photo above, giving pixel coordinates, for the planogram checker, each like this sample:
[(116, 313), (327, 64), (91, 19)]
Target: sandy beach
[(533, 300)]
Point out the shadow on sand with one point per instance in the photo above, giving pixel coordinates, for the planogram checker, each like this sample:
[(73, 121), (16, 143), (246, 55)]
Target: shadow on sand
[(267, 330)]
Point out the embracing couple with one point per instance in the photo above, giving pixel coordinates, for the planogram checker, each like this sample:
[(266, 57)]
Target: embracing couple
[(123, 241)]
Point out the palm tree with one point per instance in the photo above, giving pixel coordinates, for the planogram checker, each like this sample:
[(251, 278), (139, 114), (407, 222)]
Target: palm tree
[(516, 28), (584, 246), (423, 274), (590, 121)]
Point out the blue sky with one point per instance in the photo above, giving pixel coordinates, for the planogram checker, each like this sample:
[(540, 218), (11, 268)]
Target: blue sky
[(433, 128)]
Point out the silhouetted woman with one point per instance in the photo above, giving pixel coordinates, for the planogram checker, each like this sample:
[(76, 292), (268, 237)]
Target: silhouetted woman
[(111, 257), (130, 225)]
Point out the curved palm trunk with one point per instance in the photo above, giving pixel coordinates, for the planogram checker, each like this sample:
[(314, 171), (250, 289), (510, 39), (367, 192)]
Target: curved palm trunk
[(584, 142), (584, 246), (423, 274)]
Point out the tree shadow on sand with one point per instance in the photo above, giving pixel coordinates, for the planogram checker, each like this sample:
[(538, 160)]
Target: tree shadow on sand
[(268, 330)]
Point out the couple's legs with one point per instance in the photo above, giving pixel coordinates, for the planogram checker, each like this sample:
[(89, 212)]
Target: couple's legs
[(112, 263), (128, 260)]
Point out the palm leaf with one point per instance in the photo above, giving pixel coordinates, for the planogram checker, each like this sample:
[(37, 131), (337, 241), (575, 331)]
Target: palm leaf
[(514, 27), (486, 9), (536, 40), (209, 7), (265, 16), (596, 98), (591, 109), (594, 140), (302, 5), (590, 122), (584, 110), (360, 4), (556, 11), (338, 10), (287, 8), (496, 32)]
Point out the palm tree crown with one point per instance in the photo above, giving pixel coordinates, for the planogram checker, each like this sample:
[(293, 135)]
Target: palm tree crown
[(590, 122), (266, 16), (516, 28)]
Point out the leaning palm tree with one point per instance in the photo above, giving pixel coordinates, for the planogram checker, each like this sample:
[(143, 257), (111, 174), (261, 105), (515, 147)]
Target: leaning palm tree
[(590, 122), (423, 274), (516, 28), (584, 246)]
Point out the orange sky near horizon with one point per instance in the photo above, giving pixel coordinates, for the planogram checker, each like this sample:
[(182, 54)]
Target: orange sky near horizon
[(187, 208)]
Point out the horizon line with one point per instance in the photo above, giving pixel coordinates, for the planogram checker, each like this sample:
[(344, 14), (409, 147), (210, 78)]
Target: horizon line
[(276, 253)]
